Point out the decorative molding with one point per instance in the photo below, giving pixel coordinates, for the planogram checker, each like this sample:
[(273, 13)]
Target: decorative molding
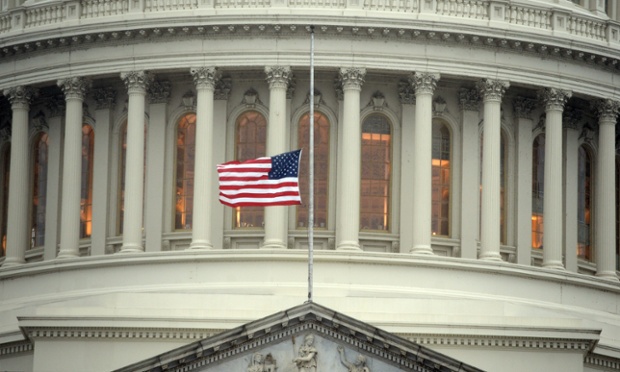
[(56, 105), (318, 98), (5, 131), (250, 98), (39, 124), (607, 109), (223, 86), (188, 100), (16, 348), (118, 332), (105, 98), (406, 93), (278, 76), (377, 101), (440, 106), (352, 77), (492, 90), (502, 342), (292, 85), (469, 99), (338, 88), (554, 99), (159, 91), (21, 95), (137, 81), (424, 82), (571, 118), (75, 87), (205, 77), (523, 107)]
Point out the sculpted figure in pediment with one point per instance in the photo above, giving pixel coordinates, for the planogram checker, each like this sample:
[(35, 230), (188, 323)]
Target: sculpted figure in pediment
[(358, 366), (260, 363), (306, 360)]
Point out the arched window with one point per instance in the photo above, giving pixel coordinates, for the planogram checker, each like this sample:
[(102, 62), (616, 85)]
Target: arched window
[(122, 167), (502, 184), (584, 205), (441, 180), (39, 190), (376, 173), (538, 185), (250, 143), (6, 162), (86, 199), (321, 169), (184, 181)]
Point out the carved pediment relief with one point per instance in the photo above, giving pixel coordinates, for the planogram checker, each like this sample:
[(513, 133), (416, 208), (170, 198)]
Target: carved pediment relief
[(306, 338)]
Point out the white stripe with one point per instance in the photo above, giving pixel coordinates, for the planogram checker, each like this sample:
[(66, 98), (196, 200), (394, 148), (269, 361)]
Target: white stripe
[(260, 200), (244, 165), (258, 182), (260, 191), (243, 174)]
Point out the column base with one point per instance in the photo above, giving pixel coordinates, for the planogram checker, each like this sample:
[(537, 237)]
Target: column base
[(67, 254), (554, 265), (200, 245), (348, 246), (131, 248), (12, 261), (273, 244), (422, 250), (491, 256), (608, 275)]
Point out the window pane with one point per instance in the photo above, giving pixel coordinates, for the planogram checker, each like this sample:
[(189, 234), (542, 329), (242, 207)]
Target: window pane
[(250, 141), (441, 180), (86, 200), (538, 186), (584, 205), (321, 169), (39, 191), (6, 161), (376, 173), (184, 186)]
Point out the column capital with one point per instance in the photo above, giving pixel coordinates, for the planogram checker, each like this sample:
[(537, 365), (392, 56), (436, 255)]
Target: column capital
[(607, 110), (424, 82), (469, 99), (554, 99), (352, 77), (105, 98), (278, 76), (74, 87), (205, 77), (137, 81), (492, 90), (523, 107), (20, 96), (159, 91), (406, 93)]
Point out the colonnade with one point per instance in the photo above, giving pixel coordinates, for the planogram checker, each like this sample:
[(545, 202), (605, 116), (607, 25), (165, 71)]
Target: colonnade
[(423, 85)]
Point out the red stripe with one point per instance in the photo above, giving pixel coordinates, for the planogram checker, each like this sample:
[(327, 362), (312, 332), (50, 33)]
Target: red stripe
[(259, 186), (261, 204), (243, 170), (259, 196), (265, 177)]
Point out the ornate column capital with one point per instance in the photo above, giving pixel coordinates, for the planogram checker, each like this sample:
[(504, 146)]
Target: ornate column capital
[(492, 90), (278, 76), (20, 96), (469, 99), (137, 81), (352, 77), (607, 110), (424, 82), (523, 107), (105, 98), (554, 99), (74, 87), (406, 93), (159, 91), (205, 77)]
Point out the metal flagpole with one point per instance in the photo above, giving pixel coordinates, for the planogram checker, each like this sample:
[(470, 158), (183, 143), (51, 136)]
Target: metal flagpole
[(311, 171)]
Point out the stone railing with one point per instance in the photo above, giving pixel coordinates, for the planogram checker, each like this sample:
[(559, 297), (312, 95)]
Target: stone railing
[(569, 22)]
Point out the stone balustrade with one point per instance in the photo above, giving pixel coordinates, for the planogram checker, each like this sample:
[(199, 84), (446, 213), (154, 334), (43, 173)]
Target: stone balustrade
[(558, 20)]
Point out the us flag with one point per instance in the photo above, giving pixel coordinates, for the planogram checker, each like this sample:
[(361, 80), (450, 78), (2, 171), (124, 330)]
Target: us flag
[(265, 181)]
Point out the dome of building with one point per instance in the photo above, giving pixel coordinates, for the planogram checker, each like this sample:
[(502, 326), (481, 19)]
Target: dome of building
[(465, 169)]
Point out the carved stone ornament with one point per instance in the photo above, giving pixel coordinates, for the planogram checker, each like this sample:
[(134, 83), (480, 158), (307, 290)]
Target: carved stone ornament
[(39, 124), (222, 88), (523, 107), (56, 105), (20, 95), (74, 87), (492, 90), (105, 98), (290, 90), (378, 101), (406, 94), (250, 98), (278, 76), (469, 99), (424, 82), (189, 99), (439, 105), (262, 363), (352, 77), (159, 91), (318, 98), (587, 133), (607, 109), (137, 81), (205, 77), (338, 88), (554, 99), (5, 131), (571, 118)]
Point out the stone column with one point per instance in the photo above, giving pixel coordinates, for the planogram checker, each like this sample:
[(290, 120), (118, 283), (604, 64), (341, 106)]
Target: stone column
[(605, 193), (406, 94), (136, 83), (348, 222), (424, 85), (204, 171), (469, 100), (276, 218), (74, 90), (492, 92), (522, 108), (17, 224), (105, 100), (554, 101)]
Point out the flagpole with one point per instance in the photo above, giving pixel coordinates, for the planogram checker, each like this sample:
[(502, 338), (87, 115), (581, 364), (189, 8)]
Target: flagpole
[(311, 172)]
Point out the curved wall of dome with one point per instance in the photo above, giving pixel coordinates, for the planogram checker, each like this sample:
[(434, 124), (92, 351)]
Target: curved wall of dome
[(466, 175)]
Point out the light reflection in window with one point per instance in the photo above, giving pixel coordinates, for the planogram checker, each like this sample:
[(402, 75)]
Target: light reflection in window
[(440, 223), (376, 173), (6, 162), (86, 199), (185, 158), (39, 190), (538, 186), (584, 205)]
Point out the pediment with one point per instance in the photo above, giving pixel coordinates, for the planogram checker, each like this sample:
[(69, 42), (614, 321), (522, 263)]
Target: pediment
[(305, 338)]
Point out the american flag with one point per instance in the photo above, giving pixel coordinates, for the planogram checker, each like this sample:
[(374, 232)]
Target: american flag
[(265, 181)]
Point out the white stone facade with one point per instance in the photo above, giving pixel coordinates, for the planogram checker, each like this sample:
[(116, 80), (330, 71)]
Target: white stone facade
[(494, 74)]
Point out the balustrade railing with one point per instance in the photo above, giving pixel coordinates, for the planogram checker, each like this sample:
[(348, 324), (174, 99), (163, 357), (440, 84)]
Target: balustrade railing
[(54, 13)]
